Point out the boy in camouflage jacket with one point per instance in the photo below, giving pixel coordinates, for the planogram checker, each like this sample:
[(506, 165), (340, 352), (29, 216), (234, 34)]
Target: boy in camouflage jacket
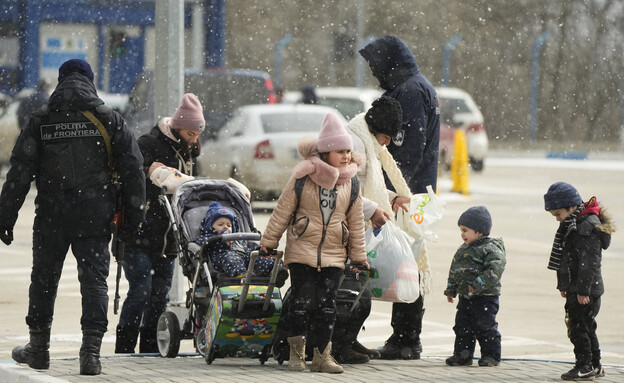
[(475, 275)]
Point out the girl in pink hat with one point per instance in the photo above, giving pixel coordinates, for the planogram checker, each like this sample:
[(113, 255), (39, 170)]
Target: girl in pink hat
[(324, 229)]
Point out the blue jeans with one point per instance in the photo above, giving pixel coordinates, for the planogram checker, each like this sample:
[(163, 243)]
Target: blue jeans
[(150, 280)]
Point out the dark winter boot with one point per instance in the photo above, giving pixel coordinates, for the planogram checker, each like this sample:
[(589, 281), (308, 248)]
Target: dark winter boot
[(359, 347), (36, 353), (348, 355), (148, 343), (126, 340), (392, 348), (90, 352)]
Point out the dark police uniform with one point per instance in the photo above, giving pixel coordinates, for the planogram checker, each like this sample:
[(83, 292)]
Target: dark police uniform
[(66, 156)]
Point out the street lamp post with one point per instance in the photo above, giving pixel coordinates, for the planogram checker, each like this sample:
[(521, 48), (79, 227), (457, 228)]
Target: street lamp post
[(446, 63), (279, 58), (534, 82)]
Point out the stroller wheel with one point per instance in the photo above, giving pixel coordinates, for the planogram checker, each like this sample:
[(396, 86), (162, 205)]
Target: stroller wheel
[(168, 335), (200, 342)]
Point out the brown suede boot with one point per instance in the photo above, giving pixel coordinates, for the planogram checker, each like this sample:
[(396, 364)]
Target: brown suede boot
[(297, 353), (325, 362)]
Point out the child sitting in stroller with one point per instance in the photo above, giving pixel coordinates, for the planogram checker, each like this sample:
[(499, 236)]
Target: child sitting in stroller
[(232, 258)]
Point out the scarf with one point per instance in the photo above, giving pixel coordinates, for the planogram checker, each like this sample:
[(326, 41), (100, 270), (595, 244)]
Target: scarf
[(377, 158), (565, 228), (322, 173)]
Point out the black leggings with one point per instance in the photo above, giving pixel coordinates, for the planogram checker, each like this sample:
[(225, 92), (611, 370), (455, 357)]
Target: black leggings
[(314, 297)]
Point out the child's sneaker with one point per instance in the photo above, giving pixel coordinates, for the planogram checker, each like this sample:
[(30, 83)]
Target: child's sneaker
[(599, 371), (464, 359), (581, 373), (488, 361)]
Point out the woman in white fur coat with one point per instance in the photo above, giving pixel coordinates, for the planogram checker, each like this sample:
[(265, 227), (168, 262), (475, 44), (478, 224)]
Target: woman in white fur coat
[(371, 132)]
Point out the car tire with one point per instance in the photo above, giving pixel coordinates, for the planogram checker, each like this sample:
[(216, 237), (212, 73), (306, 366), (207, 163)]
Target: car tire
[(477, 165)]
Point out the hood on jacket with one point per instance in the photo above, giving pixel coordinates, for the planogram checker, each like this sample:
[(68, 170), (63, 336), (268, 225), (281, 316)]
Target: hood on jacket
[(390, 60), (164, 125), (74, 92), (605, 228)]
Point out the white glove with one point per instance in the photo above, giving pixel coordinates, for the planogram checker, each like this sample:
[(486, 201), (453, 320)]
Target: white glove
[(169, 178)]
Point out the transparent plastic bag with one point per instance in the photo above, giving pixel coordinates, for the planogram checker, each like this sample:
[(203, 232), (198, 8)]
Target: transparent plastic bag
[(389, 251), (424, 212)]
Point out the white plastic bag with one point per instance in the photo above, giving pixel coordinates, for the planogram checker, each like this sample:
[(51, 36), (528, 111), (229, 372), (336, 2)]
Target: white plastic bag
[(395, 277), (425, 210)]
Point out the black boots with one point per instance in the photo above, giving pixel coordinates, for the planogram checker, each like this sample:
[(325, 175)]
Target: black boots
[(126, 340), (36, 353), (359, 347), (90, 352)]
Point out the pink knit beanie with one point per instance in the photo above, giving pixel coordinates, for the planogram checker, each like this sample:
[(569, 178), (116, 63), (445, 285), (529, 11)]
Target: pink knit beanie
[(189, 115), (333, 136)]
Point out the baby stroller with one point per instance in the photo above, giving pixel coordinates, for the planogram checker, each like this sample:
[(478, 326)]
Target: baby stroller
[(225, 316)]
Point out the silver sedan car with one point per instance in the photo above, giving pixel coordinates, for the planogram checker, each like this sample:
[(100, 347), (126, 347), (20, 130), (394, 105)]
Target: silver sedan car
[(258, 145)]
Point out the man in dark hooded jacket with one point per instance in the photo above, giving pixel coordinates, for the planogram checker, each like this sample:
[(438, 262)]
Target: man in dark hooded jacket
[(415, 149), (68, 156)]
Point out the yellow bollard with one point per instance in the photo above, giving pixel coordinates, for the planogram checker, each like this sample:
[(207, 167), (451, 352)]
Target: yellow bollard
[(459, 163)]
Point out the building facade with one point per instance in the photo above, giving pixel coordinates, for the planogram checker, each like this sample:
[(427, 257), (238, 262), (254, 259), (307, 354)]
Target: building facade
[(117, 37)]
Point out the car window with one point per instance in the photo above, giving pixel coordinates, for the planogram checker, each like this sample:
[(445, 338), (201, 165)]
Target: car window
[(235, 127), (349, 108), (449, 107), (291, 122)]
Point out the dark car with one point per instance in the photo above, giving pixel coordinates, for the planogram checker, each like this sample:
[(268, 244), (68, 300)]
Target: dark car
[(220, 92)]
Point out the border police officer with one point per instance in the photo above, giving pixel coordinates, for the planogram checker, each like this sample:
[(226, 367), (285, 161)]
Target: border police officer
[(73, 159)]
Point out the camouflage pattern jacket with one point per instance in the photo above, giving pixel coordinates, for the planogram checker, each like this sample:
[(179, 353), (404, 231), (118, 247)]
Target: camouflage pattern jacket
[(479, 265)]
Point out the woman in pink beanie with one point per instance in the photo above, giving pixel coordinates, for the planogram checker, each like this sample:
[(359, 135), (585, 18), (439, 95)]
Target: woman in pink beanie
[(324, 229), (172, 144)]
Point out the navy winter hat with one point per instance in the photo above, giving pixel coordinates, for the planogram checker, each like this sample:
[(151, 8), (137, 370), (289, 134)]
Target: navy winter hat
[(561, 195), (75, 66), (216, 211), (477, 218)]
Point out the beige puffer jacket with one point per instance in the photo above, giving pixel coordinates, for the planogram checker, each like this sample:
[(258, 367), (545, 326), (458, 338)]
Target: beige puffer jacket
[(307, 241)]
